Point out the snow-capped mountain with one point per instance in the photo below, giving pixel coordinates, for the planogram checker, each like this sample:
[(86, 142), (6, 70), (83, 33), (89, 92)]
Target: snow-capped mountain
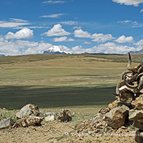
[(56, 50)]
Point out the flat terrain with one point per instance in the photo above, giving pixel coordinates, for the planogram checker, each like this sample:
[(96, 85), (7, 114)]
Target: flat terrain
[(81, 83)]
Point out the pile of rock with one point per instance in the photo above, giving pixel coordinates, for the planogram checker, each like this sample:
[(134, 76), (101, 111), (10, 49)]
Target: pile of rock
[(30, 115), (126, 110)]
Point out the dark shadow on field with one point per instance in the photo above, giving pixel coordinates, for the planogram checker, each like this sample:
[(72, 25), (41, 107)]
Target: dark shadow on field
[(13, 97)]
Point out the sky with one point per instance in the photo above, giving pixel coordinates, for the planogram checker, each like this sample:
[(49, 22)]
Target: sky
[(71, 26)]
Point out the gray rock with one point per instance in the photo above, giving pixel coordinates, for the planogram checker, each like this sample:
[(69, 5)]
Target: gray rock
[(5, 123), (117, 117), (28, 110)]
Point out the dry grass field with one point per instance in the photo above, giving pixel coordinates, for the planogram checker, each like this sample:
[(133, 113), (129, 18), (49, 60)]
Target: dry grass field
[(59, 80), (81, 83)]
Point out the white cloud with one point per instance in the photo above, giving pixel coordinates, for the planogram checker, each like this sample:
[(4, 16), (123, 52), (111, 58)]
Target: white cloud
[(112, 48), (38, 27), (141, 11), (56, 15), (81, 34), (87, 43), (21, 47), (107, 48), (54, 2), (129, 2), (1, 38), (13, 23), (99, 37), (139, 43), (21, 34), (133, 24), (56, 30), (124, 39), (63, 39), (69, 22)]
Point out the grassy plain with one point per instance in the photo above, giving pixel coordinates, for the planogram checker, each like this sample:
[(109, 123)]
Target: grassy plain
[(60, 80)]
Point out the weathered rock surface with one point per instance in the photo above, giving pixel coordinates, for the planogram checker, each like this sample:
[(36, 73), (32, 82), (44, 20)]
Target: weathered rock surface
[(28, 110), (65, 116), (138, 102), (117, 117), (137, 117), (29, 121), (5, 123)]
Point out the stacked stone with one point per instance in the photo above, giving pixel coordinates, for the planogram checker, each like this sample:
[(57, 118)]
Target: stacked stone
[(136, 115), (126, 110)]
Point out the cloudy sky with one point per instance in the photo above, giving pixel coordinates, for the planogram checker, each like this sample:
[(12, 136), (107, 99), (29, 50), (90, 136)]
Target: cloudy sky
[(72, 26)]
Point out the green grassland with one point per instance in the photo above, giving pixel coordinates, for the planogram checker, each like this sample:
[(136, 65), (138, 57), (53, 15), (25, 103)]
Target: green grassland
[(60, 80)]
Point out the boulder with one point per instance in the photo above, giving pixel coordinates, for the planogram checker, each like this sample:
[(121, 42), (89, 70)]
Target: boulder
[(28, 110), (29, 121), (113, 104), (50, 116), (139, 137), (138, 125), (65, 116), (5, 123), (138, 102), (126, 96), (117, 117), (137, 117)]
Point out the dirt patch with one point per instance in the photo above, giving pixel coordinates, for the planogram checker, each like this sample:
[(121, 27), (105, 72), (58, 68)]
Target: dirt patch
[(55, 132)]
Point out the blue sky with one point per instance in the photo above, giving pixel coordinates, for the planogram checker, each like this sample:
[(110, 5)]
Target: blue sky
[(73, 26)]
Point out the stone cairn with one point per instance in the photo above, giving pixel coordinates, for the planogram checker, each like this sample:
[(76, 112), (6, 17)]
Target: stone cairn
[(126, 112)]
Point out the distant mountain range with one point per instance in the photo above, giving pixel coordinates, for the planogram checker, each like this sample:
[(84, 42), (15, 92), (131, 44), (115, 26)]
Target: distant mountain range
[(54, 50), (2, 55), (137, 52)]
